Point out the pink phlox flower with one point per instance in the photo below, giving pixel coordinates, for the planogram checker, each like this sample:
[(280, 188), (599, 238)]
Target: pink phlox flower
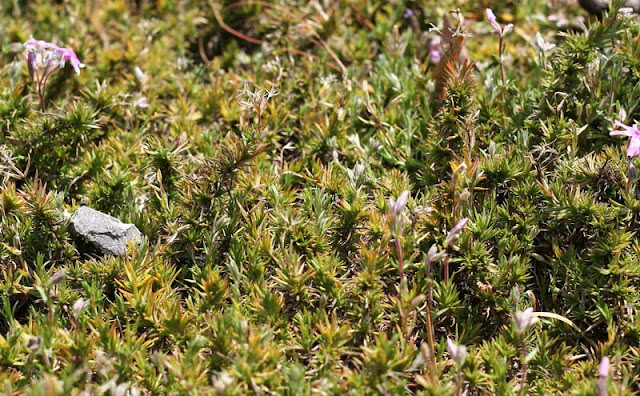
[(39, 45), (41, 53), (633, 149), (497, 29), (67, 54)]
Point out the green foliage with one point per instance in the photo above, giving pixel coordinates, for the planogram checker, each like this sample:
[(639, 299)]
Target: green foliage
[(255, 145)]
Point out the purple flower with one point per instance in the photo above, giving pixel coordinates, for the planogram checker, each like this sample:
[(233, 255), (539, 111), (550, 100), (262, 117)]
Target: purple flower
[(398, 206), (39, 45), (456, 230), (43, 58), (497, 29), (633, 150), (58, 277), (80, 305), (48, 55), (603, 369), (458, 352), (435, 50), (524, 319), (67, 54), (408, 13), (433, 256)]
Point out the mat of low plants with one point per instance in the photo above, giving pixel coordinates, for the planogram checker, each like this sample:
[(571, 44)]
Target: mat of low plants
[(333, 197)]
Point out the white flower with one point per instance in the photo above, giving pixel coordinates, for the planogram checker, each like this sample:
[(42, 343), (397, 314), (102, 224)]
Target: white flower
[(524, 319), (457, 352)]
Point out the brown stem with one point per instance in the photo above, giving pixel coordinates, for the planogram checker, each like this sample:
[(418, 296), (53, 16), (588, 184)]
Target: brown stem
[(41, 96), (446, 269), (203, 54)]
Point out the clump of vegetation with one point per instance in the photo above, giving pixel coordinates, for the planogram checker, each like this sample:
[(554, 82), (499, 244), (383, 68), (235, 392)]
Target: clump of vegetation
[(337, 198)]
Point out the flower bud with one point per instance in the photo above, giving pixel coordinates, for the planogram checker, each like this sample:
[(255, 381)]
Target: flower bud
[(524, 319), (433, 255), (458, 352), (79, 306), (455, 231), (58, 277)]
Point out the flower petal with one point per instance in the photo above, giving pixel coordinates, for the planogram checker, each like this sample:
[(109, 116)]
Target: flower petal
[(621, 133), (507, 28), (491, 17), (633, 150)]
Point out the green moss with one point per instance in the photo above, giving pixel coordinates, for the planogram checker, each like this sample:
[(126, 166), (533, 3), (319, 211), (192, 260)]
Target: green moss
[(256, 145)]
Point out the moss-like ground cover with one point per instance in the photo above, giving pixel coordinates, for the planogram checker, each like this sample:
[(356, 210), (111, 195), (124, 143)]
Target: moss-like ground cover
[(332, 202)]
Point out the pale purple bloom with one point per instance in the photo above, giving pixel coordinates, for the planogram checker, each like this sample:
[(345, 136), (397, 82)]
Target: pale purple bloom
[(603, 369), (67, 54), (497, 29), (408, 13), (58, 277), (43, 58), (456, 230), (80, 305), (458, 352), (633, 150), (491, 17), (524, 319), (41, 53), (435, 50), (39, 45), (141, 102), (433, 255), (398, 206)]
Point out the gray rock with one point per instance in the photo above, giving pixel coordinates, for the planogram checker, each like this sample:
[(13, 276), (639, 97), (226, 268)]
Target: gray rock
[(107, 233)]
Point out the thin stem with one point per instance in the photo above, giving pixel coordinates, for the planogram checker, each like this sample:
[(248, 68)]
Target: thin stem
[(446, 269), (42, 85), (41, 96), (430, 335), (403, 288), (523, 380), (459, 383), (501, 63), (403, 284)]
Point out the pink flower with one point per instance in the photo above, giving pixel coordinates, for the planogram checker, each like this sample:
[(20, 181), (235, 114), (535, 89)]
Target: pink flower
[(603, 369), (603, 373), (67, 54), (456, 230), (497, 29), (398, 206), (41, 53), (43, 58), (633, 150), (39, 45)]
